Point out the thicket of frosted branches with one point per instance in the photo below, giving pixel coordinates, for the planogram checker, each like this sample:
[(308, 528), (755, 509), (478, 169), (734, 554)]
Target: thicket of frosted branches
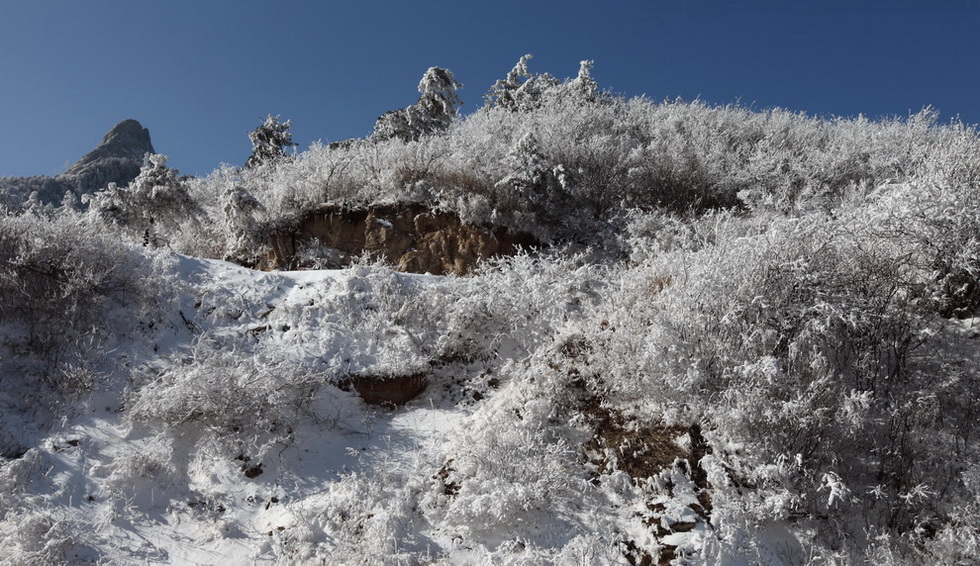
[(593, 156)]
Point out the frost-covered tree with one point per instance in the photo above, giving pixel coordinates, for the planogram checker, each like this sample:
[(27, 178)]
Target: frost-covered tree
[(17, 192), (394, 124), (584, 85), (439, 102), (435, 110), (157, 202), (502, 92), (269, 141), (241, 228), (520, 91), (535, 186)]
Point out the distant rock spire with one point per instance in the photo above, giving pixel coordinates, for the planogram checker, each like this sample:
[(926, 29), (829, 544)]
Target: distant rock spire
[(117, 159), (127, 139)]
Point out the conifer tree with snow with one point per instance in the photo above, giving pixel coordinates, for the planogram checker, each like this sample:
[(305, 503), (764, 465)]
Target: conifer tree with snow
[(439, 103), (522, 91), (583, 84), (270, 141), (435, 110)]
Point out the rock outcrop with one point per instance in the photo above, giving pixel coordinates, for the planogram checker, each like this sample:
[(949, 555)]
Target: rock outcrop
[(117, 159), (412, 237)]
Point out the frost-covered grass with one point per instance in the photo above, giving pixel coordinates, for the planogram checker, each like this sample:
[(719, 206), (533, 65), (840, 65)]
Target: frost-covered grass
[(755, 338)]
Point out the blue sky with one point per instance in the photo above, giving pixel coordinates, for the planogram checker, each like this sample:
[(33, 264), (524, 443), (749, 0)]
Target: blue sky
[(202, 74)]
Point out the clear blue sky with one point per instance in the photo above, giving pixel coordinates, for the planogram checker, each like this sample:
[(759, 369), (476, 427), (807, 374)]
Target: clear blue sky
[(200, 74)]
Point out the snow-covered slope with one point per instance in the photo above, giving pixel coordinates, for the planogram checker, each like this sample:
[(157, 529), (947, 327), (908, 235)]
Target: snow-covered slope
[(751, 338), (221, 425), (224, 438)]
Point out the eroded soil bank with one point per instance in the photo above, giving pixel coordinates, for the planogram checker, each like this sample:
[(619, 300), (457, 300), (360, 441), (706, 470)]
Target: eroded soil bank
[(412, 237)]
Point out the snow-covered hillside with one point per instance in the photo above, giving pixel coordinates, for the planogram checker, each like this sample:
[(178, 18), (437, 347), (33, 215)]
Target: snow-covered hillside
[(222, 436), (235, 432), (739, 337)]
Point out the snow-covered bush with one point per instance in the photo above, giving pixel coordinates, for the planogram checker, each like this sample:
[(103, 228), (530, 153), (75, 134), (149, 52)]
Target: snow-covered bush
[(243, 233), (58, 285), (506, 474), (153, 207), (813, 342), (41, 536), (534, 192), (937, 222), (226, 393)]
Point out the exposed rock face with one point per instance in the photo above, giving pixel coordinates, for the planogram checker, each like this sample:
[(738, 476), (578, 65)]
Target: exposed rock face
[(117, 159), (412, 237), (127, 139)]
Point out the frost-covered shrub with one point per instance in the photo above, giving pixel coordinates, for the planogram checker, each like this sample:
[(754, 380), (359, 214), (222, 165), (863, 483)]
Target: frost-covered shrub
[(811, 343), (227, 393), (153, 207), (243, 233), (41, 536), (378, 321), (367, 517), (15, 474), (533, 195), (938, 223), (59, 282), (525, 300), (32, 532), (502, 482)]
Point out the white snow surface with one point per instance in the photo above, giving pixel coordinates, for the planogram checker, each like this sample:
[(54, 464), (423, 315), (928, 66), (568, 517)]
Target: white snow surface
[(130, 479), (215, 514)]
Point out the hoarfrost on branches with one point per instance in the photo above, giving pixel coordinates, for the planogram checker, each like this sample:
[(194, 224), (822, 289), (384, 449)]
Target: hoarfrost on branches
[(270, 141), (437, 107)]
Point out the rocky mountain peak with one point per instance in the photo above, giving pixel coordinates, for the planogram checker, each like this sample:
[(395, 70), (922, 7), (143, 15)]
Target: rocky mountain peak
[(117, 159), (126, 140)]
